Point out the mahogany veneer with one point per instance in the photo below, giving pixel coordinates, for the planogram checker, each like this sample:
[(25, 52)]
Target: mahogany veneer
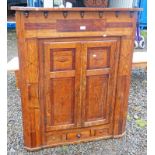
[(74, 77)]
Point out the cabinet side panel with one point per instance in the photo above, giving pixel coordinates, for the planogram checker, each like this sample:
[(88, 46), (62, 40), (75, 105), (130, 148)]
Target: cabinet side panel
[(28, 77), (32, 78), (123, 80), (123, 86), (21, 51)]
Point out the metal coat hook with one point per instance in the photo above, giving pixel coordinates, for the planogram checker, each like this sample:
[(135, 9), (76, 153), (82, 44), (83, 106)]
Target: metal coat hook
[(45, 14), (82, 14), (131, 14), (65, 14), (100, 14), (26, 13), (117, 13)]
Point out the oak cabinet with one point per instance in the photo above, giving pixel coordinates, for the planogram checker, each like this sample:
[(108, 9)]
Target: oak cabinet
[(74, 77)]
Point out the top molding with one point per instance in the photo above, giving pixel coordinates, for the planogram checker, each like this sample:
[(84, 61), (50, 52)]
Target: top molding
[(74, 9)]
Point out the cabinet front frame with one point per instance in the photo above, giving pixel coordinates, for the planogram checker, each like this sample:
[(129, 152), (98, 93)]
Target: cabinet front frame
[(82, 41)]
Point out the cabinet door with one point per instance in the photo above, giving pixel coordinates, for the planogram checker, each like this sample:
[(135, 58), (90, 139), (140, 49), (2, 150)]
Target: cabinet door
[(99, 76), (61, 85)]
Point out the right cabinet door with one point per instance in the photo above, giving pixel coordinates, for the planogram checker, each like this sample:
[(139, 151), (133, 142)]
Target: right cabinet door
[(100, 61)]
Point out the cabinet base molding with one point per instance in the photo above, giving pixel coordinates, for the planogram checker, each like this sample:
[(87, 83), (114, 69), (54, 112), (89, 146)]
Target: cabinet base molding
[(121, 135), (75, 142)]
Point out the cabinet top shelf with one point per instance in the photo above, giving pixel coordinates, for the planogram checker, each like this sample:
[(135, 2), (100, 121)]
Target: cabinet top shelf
[(73, 9)]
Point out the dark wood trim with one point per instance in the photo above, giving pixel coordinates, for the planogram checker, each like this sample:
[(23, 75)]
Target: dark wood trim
[(66, 26), (34, 26), (74, 25), (119, 24)]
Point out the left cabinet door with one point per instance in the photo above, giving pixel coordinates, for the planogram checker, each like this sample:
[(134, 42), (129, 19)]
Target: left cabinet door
[(61, 85)]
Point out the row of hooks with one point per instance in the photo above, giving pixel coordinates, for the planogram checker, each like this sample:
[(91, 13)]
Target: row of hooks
[(82, 13)]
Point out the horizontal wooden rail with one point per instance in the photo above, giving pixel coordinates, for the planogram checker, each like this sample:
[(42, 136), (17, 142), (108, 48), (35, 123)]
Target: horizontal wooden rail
[(139, 61)]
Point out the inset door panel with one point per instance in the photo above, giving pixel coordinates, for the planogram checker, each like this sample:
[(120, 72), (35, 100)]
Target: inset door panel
[(61, 85), (62, 59), (62, 106), (96, 93), (98, 57), (100, 66)]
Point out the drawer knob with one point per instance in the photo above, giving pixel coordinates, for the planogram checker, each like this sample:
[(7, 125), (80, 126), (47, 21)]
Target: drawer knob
[(78, 135)]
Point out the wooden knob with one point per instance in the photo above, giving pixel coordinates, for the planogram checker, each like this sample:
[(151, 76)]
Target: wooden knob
[(78, 135)]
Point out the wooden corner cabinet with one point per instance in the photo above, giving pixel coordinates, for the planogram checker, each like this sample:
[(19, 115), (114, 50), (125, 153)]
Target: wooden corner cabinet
[(75, 67)]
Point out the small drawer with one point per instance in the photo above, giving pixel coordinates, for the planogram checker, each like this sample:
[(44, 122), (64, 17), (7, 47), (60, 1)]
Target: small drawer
[(102, 132), (78, 135), (55, 138)]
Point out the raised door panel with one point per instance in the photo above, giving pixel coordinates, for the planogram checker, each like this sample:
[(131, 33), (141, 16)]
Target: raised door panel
[(99, 75), (62, 99), (96, 97), (61, 85)]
